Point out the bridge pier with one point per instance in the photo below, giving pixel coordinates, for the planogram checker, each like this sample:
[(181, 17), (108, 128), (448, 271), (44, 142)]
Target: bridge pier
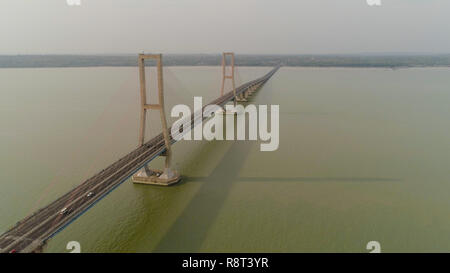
[(146, 175), (241, 98), (39, 249), (250, 91), (246, 95), (156, 177)]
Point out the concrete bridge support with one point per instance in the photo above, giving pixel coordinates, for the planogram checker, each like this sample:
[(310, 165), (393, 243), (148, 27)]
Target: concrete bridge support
[(241, 98), (147, 175)]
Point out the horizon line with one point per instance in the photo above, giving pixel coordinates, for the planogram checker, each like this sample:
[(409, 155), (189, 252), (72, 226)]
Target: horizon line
[(219, 53)]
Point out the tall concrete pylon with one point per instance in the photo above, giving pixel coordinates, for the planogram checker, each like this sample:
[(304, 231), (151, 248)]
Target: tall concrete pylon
[(146, 175), (225, 76)]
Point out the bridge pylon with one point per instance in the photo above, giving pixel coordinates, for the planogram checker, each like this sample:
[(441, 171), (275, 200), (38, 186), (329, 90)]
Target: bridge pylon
[(226, 76), (147, 175)]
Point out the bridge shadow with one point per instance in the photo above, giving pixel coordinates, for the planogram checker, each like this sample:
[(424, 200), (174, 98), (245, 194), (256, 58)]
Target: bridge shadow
[(191, 227), (301, 179)]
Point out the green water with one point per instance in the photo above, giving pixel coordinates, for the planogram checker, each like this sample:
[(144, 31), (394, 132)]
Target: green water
[(364, 156)]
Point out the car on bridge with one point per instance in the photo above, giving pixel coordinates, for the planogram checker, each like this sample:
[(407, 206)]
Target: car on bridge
[(65, 211)]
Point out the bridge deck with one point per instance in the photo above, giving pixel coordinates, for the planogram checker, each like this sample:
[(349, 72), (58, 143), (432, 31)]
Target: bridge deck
[(31, 233)]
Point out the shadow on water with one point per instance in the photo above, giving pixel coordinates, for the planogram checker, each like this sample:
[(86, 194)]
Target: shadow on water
[(302, 179), (190, 229)]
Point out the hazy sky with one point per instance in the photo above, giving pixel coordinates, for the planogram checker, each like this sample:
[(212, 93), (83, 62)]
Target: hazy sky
[(212, 26)]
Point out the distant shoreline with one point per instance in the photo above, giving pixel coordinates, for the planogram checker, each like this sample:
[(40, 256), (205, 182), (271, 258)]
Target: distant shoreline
[(350, 61), (219, 66)]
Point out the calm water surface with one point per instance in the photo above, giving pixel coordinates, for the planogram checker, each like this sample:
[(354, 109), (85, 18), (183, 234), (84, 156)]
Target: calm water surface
[(364, 155)]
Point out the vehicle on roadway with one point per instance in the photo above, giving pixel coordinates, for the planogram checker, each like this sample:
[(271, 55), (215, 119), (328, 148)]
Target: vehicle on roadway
[(65, 211)]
